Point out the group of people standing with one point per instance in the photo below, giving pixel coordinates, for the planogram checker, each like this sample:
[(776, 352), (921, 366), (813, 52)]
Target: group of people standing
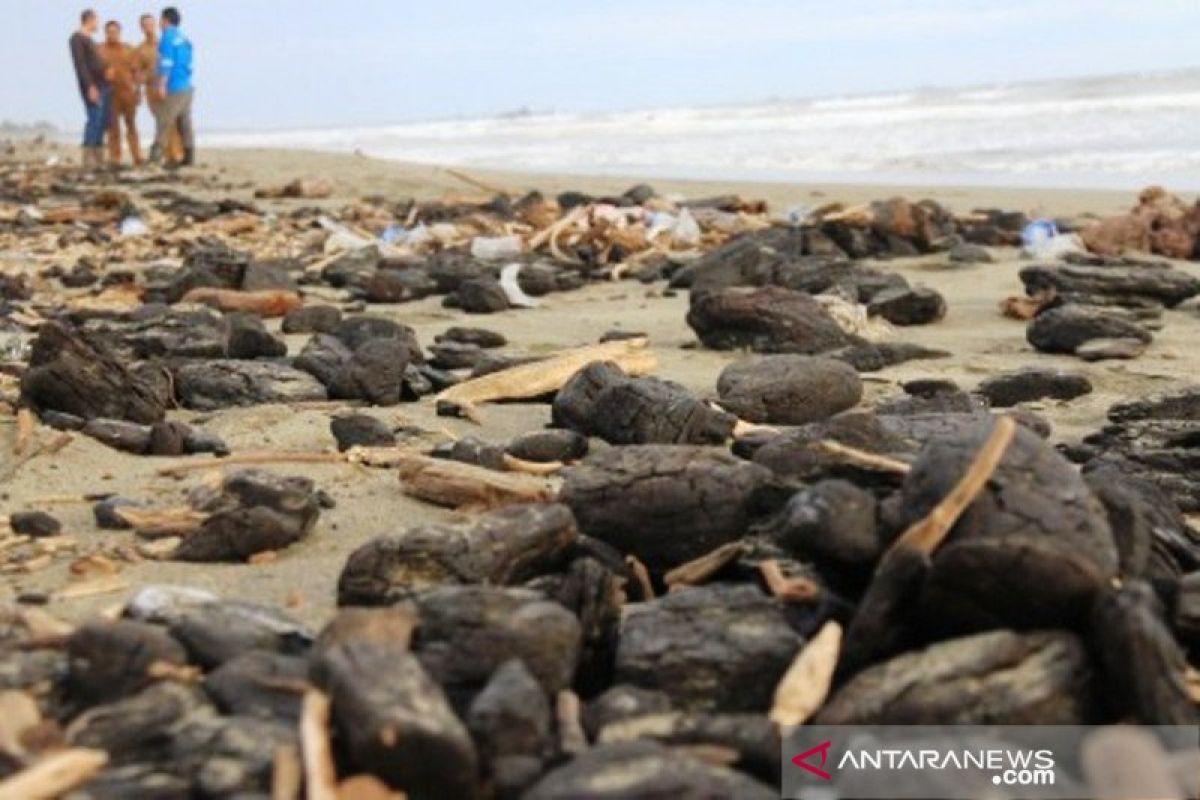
[(112, 78)]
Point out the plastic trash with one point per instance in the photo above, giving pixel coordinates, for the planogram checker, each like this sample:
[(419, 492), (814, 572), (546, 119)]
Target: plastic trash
[(1036, 233), (1042, 239), (393, 234), (493, 248), (512, 288), (133, 226), (795, 215), (687, 230)]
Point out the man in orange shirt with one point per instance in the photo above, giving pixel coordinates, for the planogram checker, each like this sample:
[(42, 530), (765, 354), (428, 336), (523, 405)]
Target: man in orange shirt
[(124, 76), (147, 59)]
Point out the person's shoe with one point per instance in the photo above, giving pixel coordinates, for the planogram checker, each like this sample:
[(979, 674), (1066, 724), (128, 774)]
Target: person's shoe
[(189, 157), (85, 158), (155, 155)]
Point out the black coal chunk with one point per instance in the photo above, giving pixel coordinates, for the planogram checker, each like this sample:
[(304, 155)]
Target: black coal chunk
[(34, 523), (1033, 383), (375, 373), (213, 385), (247, 337), (548, 446), (466, 632), (229, 756), (312, 319), (477, 336), (259, 683), (768, 320), (830, 521), (600, 400), (1067, 328), (399, 285), (644, 770), (360, 430), (214, 633), (137, 728), (67, 373), (620, 702), (721, 647), (664, 504), (1119, 285), (255, 511), (996, 678), (502, 547), (481, 296), (111, 660), (788, 389), (393, 718), (510, 722), (908, 306), (359, 329), (874, 356), (1142, 665)]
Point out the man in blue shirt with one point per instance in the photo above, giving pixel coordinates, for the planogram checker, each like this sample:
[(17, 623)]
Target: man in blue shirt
[(174, 86)]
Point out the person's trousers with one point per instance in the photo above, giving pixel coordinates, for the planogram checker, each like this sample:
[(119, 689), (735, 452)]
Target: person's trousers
[(97, 119), (124, 110), (174, 148), (175, 109)]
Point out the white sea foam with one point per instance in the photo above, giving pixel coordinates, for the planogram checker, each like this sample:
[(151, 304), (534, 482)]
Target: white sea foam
[(1121, 131)]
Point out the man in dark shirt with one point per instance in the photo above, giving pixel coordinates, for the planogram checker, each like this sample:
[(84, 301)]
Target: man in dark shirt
[(93, 86)]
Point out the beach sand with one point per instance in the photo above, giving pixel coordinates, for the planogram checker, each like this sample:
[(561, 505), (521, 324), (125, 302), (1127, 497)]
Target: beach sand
[(370, 501)]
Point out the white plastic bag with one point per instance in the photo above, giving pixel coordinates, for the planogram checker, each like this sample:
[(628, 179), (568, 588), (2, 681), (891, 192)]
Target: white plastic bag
[(494, 248)]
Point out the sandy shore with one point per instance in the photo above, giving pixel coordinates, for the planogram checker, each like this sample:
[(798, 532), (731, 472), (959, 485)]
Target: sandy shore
[(370, 503)]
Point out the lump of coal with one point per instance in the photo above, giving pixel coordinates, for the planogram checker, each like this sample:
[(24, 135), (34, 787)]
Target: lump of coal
[(34, 523), (1120, 285), (832, 521), (394, 719), (228, 756), (312, 319), (481, 296), (622, 702), (323, 357), (996, 678), (450, 354), (357, 330), (375, 373), (255, 511), (788, 389), (466, 632), (111, 660), (360, 430), (908, 306), (1067, 328), (721, 647), (664, 504), (1033, 549), (70, 374), (510, 722), (1033, 383), (214, 633), (480, 337), (600, 400), (247, 337), (137, 728), (874, 356), (502, 547), (1143, 667), (644, 770), (259, 683), (768, 320), (213, 385), (799, 454), (398, 285), (548, 446)]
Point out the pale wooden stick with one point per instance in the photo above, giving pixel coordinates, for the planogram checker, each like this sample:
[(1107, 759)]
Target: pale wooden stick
[(287, 774), (319, 774), (807, 681), (643, 576), (514, 464), (789, 590), (925, 535), (700, 569), (568, 710), (25, 425), (861, 458), (55, 775)]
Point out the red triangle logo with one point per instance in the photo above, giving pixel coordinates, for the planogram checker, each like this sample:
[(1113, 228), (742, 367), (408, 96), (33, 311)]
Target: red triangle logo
[(801, 760)]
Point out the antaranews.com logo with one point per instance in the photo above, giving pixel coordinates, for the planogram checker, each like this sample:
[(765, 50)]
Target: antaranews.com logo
[(935, 762)]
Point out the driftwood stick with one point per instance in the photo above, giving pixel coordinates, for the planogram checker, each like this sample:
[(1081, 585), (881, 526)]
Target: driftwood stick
[(527, 381), (861, 458), (805, 685), (55, 775), (642, 575), (514, 464), (700, 569), (569, 711), (287, 774), (926, 535), (319, 774), (789, 590), (25, 425)]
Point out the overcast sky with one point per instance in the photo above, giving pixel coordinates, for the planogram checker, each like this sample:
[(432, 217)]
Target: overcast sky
[(308, 63)]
